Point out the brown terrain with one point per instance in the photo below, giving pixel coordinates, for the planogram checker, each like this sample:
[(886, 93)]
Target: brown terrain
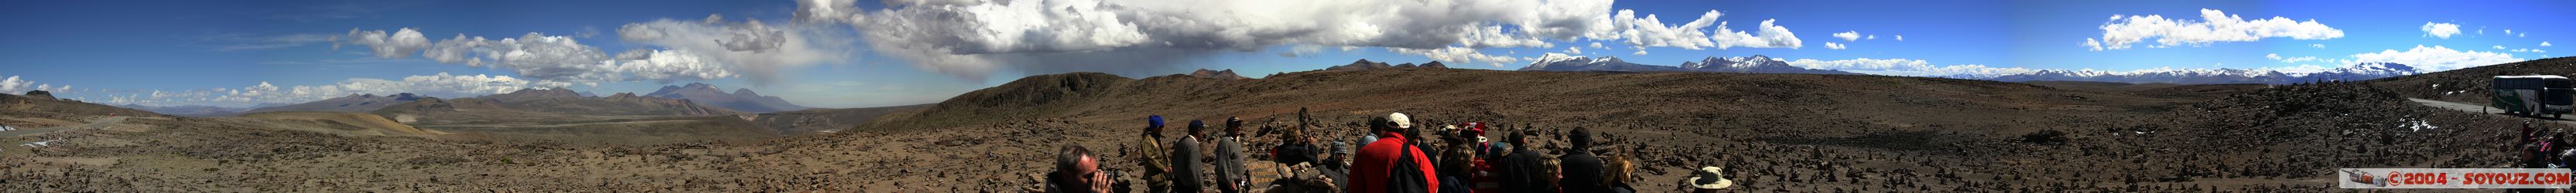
[(1773, 132), (2469, 85)]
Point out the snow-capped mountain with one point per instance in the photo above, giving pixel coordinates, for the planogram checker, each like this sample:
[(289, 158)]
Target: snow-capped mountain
[(1562, 62), (1752, 64), (2362, 71)]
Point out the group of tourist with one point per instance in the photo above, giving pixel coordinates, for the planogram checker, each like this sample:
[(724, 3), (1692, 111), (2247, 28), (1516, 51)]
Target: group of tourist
[(1395, 156)]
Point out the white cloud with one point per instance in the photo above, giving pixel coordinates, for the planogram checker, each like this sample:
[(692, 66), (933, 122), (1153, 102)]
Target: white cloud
[(400, 43), (712, 48), (440, 85), (751, 48), (2443, 30), (1831, 45), (2499, 47), (2216, 26), (2544, 44), (1848, 35), (1900, 37), (559, 58), (2277, 57), (971, 39), (1456, 55), (13, 85), (2436, 58), (1769, 36), (1650, 31), (1907, 67), (1598, 44), (1573, 50), (1640, 52), (2317, 45), (1871, 37)]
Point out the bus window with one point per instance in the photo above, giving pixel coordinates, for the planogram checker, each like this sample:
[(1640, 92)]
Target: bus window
[(2561, 83)]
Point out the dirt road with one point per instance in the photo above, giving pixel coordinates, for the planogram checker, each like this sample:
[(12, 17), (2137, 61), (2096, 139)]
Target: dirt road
[(100, 122), (2479, 108)]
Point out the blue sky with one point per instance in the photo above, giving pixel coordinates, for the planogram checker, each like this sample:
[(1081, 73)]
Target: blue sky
[(840, 53)]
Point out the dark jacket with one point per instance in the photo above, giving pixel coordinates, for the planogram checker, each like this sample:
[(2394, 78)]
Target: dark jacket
[(1525, 171), (1185, 172), (1582, 172), (1294, 153)]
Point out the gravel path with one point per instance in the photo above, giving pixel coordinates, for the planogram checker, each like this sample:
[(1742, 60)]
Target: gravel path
[(24, 131), (2479, 108)]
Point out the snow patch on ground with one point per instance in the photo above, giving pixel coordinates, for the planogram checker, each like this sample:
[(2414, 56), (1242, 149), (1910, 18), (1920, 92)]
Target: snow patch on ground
[(2420, 125), (44, 143)]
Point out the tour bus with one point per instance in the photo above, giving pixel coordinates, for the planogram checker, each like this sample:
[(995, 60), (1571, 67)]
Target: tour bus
[(2534, 94)]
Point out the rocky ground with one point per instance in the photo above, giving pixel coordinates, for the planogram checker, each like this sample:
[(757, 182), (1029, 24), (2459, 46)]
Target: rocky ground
[(1775, 132)]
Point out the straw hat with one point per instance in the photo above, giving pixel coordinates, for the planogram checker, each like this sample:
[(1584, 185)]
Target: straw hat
[(1709, 178)]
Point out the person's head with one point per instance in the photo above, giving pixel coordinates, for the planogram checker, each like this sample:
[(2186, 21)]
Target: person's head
[(1154, 125), (1079, 171), (1198, 128), (1233, 126), (1581, 138), (1393, 122), (1340, 148)]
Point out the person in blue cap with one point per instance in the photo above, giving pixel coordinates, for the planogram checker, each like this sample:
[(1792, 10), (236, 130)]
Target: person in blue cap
[(1153, 158)]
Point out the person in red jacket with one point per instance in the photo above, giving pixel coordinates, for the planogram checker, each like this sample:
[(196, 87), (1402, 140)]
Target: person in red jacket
[(1376, 161)]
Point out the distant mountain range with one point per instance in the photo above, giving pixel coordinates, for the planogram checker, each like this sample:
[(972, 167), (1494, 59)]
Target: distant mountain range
[(351, 103), (1750, 64), (740, 100), (2356, 72), (559, 100), (1765, 64), (1227, 74), (189, 110), (1365, 64)]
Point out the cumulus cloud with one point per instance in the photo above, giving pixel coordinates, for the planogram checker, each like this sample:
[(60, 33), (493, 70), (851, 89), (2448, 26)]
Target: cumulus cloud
[(400, 43), (2277, 57), (973, 38), (1831, 45), (711, 48), (14, 85), (1900, 37), (1850, 36), (1769, 36), (2214, 26), (1573, 50), (2317, 45), (2544, 44), (1457, 54), (440, 85), (2436, 58), (2499, 47), (751, 48), (559, 58), (2442, 30), (1907, 67)]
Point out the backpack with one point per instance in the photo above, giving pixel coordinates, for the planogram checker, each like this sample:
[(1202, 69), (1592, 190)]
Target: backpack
[(1406, 176)]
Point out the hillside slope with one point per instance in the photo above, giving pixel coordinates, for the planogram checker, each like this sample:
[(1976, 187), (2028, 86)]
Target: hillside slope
[(2469, 85), (351, 103)]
